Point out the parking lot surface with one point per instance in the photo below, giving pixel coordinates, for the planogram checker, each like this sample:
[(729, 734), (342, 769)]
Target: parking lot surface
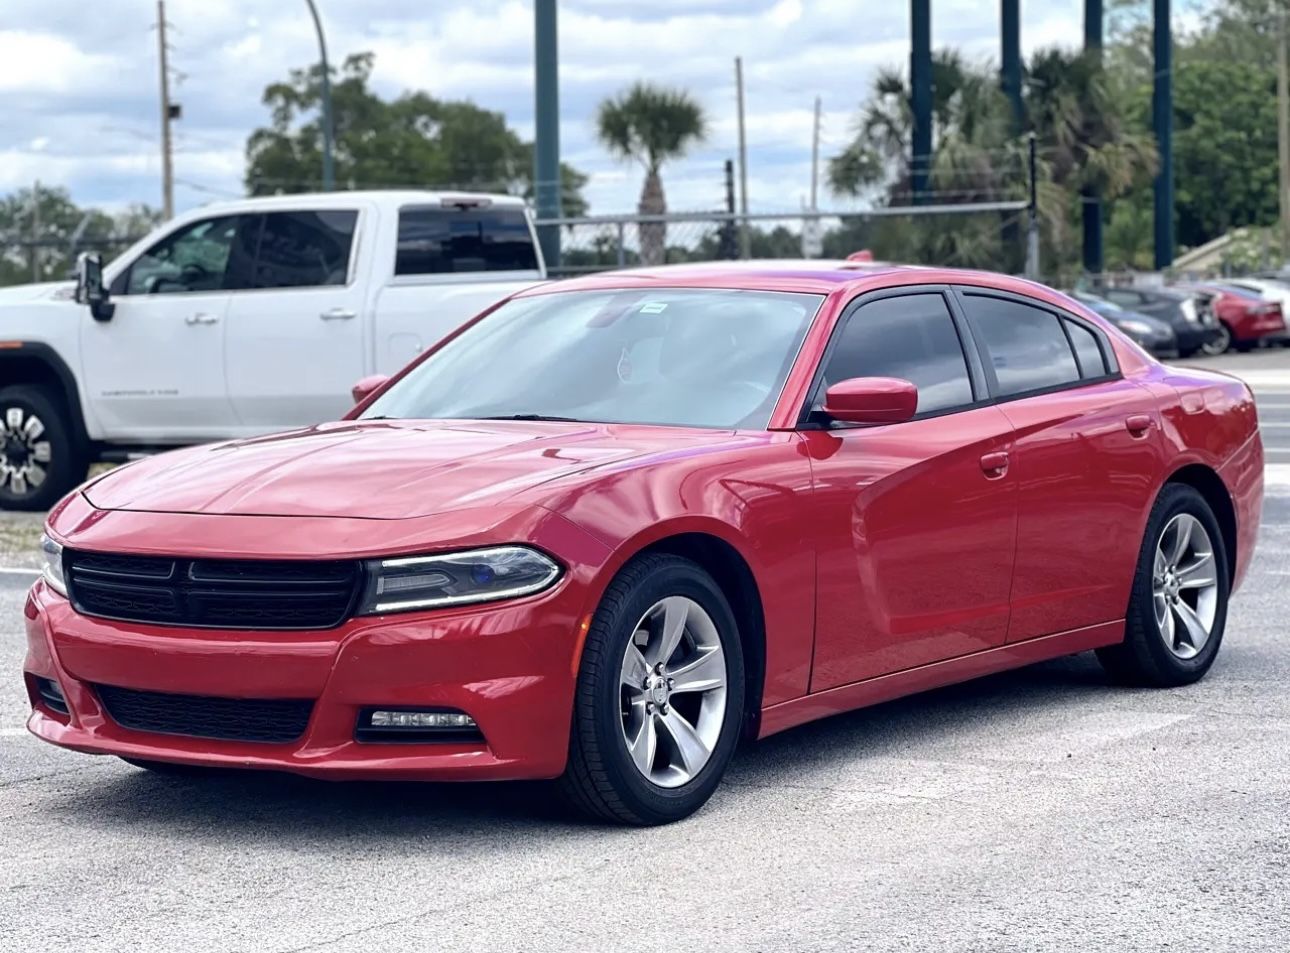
[(1036, 810)]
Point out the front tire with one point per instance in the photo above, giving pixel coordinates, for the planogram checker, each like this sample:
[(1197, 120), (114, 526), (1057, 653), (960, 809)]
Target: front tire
[(40, 458), (1178, 607), (1220, 344), (660, 696)]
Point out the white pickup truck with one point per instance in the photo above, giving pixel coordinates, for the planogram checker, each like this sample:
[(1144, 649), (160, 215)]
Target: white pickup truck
[(239, 319)]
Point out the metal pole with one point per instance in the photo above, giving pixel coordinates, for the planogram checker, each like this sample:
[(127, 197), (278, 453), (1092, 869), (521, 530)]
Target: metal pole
[(35, 232), (1032, 233), (1283, 134), (622, 244), (328, 130), (920, 97), (1162, 114), (167, 170), (546, 148), (1010, 58), (1091, 209), (815, 158), (745, 240)]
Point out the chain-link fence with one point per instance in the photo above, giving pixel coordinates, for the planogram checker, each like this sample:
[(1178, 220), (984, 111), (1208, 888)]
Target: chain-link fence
[(981, 235)]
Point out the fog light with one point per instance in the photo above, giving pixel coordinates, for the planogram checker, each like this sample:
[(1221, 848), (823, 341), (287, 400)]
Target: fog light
[(421, 719), (428, 726)]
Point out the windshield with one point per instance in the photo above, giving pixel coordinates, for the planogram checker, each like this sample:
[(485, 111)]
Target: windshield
[(684, 357)]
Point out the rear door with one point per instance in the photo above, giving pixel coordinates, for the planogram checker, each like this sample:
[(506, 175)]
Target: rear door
[(914, 524), (294, 344), (1085, 460), (452, 260)]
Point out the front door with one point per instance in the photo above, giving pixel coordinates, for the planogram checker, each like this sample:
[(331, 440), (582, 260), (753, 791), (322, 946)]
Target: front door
[(914, 524), (155, 371)]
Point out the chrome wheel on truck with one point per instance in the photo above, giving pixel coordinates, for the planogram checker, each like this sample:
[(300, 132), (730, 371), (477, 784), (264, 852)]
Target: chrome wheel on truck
[(40, 459)]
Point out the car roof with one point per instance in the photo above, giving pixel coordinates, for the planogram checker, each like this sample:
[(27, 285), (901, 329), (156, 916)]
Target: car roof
[(392, 198), (819, 276)]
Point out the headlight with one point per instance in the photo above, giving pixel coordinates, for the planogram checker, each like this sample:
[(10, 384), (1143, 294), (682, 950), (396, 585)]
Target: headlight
[(51, 554), (1136, 327), (473, 575)]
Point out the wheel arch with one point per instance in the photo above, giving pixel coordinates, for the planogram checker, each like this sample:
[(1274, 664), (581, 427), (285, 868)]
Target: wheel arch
[(36, 363), (1206, 481), (732, 572)]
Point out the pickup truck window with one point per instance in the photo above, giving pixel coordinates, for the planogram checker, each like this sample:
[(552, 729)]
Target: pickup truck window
[(194, 258), (437, 240), (305, 249)]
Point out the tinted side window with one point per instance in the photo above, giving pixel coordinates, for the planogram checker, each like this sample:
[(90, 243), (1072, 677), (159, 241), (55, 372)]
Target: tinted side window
[(194, 258), (305, 249), (1026, 345), (911, 337), (441, 240), (1092, 362)]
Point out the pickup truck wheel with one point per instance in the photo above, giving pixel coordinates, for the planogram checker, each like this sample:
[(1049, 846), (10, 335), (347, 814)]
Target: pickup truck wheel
[(40, 460)]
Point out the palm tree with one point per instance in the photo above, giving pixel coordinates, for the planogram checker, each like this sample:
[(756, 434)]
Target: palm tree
[(651, 125)]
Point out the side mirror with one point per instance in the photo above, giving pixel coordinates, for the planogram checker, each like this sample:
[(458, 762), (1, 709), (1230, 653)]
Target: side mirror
[(89, 286), (871, 400), (368, 386)]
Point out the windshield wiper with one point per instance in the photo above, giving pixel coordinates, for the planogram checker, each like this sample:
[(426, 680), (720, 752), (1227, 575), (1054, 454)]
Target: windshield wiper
[(567, 420)]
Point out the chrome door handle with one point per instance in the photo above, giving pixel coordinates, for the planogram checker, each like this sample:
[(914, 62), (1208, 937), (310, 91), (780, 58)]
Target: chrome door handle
[(200, 318), (339, 314)]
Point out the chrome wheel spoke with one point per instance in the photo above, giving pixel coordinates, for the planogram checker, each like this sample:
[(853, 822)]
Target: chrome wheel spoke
[(1168, 629), (691, 748), (1194, 630), (13, 420), (635, 669), (40, 452), (1198, 574), (644, 746), (675, 611), (1182, 535), (704, 672), (33, 429)]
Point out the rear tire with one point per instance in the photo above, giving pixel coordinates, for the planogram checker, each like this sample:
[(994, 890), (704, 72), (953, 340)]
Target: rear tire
[(1178, 606), (682, 742), (1220, 344), (41, 459)]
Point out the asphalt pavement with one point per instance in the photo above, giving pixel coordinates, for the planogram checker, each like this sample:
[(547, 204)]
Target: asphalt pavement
[(1036, 810)]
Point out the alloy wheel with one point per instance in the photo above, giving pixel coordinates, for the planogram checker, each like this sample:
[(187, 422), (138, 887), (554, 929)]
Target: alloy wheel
[(1184, 586), (1220, 344), (673, 691), (24, 453)]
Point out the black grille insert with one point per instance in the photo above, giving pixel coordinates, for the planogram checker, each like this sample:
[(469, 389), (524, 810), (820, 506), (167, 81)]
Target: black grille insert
[(272, 721), (51, 695), (213, 593)]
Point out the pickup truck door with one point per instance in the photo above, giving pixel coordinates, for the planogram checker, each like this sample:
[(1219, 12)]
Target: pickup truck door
[(294, 343), (155, 371)]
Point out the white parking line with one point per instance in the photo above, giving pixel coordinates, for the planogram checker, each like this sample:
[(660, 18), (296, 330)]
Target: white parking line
[(1276, 474), (18, 571)]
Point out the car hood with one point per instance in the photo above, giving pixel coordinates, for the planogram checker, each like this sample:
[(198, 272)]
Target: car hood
[(382, 470), (24, 294)]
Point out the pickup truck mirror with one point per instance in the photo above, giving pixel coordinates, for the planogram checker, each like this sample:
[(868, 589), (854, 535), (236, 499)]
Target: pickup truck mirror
[(89, 286), (367, 386)]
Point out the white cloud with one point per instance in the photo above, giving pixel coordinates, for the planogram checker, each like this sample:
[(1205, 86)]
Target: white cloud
[(84, 87)]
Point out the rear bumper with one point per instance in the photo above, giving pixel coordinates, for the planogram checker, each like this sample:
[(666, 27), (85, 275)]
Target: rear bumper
[(1255, 327), (510, 666)]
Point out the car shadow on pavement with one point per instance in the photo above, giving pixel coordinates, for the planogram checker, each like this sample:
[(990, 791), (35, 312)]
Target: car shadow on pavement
[(312, 815)]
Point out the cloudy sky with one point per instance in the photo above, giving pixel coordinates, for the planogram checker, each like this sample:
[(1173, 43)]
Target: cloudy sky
[(79, 80)]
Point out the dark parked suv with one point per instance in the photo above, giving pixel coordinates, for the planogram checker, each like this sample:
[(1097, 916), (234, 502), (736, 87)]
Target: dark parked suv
[(1190, 315)]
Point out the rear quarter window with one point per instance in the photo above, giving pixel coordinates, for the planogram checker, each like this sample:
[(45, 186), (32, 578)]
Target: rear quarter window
[(436, 240)]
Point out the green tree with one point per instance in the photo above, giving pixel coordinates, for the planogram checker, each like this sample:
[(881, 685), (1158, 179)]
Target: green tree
[(44, 231), (413, 141), (651, 125)]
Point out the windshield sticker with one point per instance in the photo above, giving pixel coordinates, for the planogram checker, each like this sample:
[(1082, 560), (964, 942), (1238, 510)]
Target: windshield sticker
[(653, 307)]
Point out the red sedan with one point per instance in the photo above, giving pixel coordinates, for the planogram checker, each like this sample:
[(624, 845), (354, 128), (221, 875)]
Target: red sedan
[(1245, 317), (615, 524)]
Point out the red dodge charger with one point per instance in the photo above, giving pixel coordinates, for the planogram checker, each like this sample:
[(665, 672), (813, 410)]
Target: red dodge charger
[(614, 525)]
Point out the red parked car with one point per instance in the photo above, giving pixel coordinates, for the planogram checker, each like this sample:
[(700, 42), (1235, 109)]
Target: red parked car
[(1245, 316), (616, 524)]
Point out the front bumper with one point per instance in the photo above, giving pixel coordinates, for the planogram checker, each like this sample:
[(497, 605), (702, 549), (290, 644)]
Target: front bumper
[(511, 666)]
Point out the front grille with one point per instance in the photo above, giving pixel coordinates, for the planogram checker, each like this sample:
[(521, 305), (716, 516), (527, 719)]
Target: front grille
[(212, 593), (273, 721)]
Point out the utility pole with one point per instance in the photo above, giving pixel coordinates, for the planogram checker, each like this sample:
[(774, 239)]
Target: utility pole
[(1032, 233), (35, 232), (1283, 132), (745, 242), (546, 149), (1090, 201), (920, 96), (1162, 117), (729, 243), (812, 246), (167, 169)]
